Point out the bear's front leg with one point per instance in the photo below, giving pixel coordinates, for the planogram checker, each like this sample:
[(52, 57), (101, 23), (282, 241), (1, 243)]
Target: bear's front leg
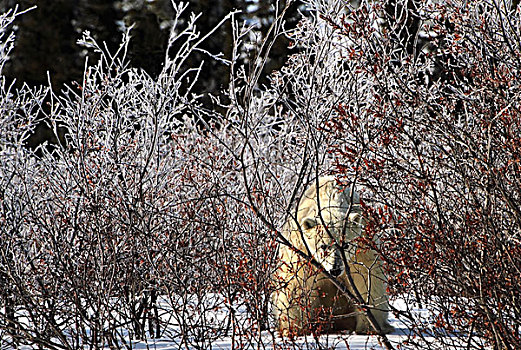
[(363, 326), (369, 280)]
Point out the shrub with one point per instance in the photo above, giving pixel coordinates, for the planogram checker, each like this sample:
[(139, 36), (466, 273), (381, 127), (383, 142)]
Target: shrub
[(432, 135)]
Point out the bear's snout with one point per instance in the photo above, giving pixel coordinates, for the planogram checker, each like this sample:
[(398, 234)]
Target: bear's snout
[(338, 265), (331, 259), (337, 271)]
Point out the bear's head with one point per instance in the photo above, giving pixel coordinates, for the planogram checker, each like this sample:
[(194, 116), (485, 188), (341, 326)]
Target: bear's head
[(329, 220)]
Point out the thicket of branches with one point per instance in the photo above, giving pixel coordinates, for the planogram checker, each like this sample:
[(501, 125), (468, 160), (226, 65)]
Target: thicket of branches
[(139, 224), (156, 217), (434, 142)]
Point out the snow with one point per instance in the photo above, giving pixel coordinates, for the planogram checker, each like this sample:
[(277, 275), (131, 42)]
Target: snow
[(401, 338)]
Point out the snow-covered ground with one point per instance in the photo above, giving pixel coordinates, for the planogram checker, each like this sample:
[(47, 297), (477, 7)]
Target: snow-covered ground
[(401, 338)]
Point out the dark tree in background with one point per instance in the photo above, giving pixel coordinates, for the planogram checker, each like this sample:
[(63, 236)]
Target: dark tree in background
[(47, 35), (45, 42)]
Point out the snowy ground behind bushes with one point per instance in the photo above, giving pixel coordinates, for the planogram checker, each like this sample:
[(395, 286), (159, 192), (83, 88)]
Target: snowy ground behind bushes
[(401, 338)]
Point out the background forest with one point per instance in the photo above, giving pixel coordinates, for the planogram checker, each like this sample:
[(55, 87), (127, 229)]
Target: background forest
[(146, 179)]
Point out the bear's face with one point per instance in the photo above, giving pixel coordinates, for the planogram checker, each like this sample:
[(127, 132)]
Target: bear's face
[(330, 221), (330, 233)]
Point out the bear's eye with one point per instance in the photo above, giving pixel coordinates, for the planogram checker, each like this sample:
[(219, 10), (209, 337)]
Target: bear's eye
[(308, 223), (356, 219)]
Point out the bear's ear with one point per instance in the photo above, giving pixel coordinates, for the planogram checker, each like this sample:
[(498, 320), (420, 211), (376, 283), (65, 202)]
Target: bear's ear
[(357, 219), (308, 223)]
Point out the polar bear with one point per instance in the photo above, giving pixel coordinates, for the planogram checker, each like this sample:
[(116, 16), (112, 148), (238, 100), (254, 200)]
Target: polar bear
[(305, 300)]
